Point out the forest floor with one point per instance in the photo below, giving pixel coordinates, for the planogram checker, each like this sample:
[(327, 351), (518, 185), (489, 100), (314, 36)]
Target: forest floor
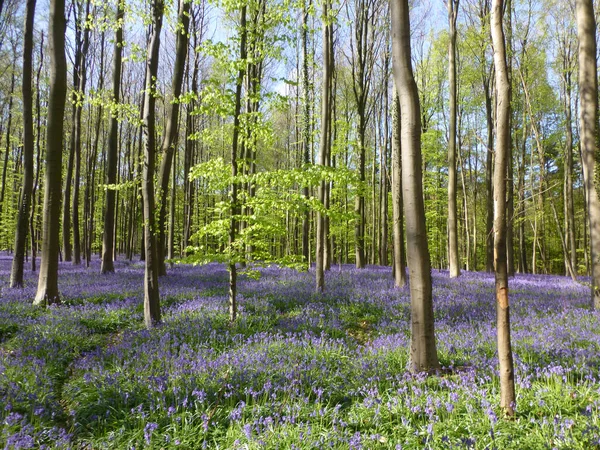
[(298, 370)]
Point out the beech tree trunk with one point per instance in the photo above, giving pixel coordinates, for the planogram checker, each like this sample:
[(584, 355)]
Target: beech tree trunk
[(108, 237), (305, 128), (588, 123), (16, 275), (383, 174), (325, 143), (170, 137), (235, 208), (510, 186), (8, 131), (568, 190), (489, 162), (362, 45), (507, 377), (77, 142), (151, 294), (423, 352), (47, 290), (397, 204), (66, 203), (453, 257), (33, 216)]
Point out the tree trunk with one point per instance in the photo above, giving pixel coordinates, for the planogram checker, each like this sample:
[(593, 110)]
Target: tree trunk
[(569, 209), (47, 290), (90, 187), (33, 216), (77, 142), (108, 236), (588, 123), (507, 379), (66, 203), (523, 268), (325, 143), (397, 204), (233, 307), (305, 128), (383, 174), (151, 293), (489, 161), (16, 275), (510, 188), (453, 257), (423, 353), (170, 137), (8, 130)]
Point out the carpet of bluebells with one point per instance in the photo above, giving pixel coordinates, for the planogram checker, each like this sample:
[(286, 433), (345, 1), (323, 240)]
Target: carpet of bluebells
[(299, 370)]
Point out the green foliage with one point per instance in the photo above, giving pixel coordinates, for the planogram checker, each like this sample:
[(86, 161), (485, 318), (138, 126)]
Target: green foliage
[(275, 199)]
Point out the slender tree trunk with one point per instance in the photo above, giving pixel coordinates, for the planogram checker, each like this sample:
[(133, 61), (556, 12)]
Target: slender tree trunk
[(47, 291), (507, 377), (305, 128), (588, 123), (170, 137), (569, 209), (66, 203), (108, 236), (235, 208), (363, 55), (171, 239), (33, 216), (325, 143), (8, 132), (77, 142), (489, 161), (453, 257), (383, 174), (16, 275), (523, 268), (423, 353), (510, 187), (151, 293), (90, 193), (397, 204)]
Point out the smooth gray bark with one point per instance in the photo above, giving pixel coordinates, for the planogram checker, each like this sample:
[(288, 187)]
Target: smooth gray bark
[(453, 257), (16, 275), (170, 137), (423, 352), (507, 377), (151, 293), (325, 142), (588, 131), (47, 290), (108, 237)]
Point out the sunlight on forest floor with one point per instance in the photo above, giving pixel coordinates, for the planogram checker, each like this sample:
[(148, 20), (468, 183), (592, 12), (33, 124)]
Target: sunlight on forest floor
[(298, 369)]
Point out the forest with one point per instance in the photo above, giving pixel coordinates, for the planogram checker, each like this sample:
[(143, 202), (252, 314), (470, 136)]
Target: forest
[(299, 224)]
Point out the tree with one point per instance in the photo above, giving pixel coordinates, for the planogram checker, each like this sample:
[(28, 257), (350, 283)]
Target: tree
[(47, 290), (306, 5), (325, 144), (507, 378), (423, 352), (588, 131), (233, 193), (453, 257), (76, 139), (151, 294), (397, 204), (362, 44), (170, 136), (16, 275), (108, 237)]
